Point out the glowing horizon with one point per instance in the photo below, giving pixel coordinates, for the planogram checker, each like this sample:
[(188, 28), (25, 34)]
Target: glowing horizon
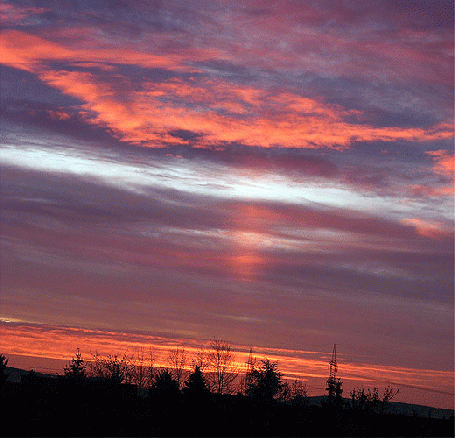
[(308, 366)]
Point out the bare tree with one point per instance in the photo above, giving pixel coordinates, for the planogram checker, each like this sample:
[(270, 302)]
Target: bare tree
[(368, 400), (177, 359), (249, 367), (299, 393), (142, 371), (200, 360), (221, 366), (387, 396), (112, 369), (294, 393)]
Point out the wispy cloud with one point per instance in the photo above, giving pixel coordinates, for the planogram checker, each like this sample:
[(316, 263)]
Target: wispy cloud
[(152, 114)]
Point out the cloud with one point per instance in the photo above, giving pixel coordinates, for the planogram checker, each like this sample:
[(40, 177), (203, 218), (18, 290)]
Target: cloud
[(443, 169), (25, 51), (210, 236), (354, 41), (244, 114), (423, 15), (432, 192), (18, 15), (444, 162), (427, 229)]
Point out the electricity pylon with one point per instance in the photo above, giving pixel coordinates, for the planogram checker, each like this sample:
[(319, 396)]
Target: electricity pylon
[(334, 385), (333, 363)]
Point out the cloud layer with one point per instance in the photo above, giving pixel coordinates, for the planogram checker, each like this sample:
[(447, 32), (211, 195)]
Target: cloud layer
[(277, 174)]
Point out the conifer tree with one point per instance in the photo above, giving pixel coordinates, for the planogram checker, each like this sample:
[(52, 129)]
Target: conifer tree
[(265, 382), (3, 373), (75, 371), (196, 386)]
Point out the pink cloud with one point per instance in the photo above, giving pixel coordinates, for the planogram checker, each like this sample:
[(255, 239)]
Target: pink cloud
[(28, 52), (218, 111), (14, 15), (444, 162), (432, 230), (443, 166), (335, 41), (432, 192)]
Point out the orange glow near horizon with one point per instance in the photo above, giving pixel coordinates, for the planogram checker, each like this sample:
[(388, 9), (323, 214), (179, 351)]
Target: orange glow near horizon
[(58, 342)]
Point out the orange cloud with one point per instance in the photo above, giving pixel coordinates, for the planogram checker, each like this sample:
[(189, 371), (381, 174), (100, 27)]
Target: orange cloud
[(424, 190), (58, 115), (29, 52), (218, 111), (443, 165), (432, 230), (444, 162)]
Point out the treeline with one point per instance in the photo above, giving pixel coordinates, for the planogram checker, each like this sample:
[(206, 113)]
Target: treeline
[(204, 395), (213, 371)]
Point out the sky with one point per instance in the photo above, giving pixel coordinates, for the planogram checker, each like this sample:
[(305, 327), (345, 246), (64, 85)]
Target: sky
[(276, 174)]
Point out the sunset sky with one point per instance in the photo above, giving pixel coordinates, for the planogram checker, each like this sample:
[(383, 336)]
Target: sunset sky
[(279, 174)]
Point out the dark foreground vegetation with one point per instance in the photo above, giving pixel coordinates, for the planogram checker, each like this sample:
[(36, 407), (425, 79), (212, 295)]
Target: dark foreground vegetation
[(94, 399)]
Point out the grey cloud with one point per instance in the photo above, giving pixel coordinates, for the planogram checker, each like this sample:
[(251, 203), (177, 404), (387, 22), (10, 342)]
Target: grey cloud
[(22, 86), (58, 211)]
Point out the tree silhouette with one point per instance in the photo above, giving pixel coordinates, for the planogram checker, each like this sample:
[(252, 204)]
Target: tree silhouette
[(294, 393), (249, 365), (195, 386), (221, 365), (264, 382), (142, 372), (165, 387), (48, 406), (3, 373), (75, 371), (200, 359), (367, 400), (364, 400), (111, 369), (335, 390), (389, 394), (177, 359)]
